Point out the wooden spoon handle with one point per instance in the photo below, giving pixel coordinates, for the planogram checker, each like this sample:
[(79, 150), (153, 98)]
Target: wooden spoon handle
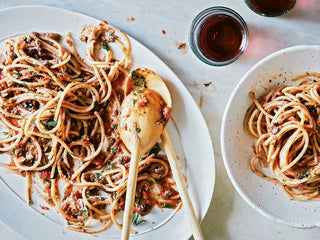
[(131, 190), (181, 185)]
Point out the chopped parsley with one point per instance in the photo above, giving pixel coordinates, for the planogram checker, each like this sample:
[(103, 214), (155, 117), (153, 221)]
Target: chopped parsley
[(22, 150), (114, 150), (137, 219), (26, 86), (105, 46), (92, 192), (138, 91), (84, 212), (113, 36), (275, 131), (138, 130), (139, 199), (52, 123), (49, 124), (138, 80), (47, 180), (159, 180), (114, 196), (166, 205), (207, 84), (155, 149), (134, 101), (110, 167)]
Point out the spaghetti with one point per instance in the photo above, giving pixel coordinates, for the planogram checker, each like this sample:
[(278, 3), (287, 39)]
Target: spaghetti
[(286, 124), (60, 115)]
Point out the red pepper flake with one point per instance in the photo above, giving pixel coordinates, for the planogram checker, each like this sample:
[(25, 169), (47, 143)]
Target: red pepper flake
[(163, 32), (287, 174), (97, 162), (44, 207), (45, 174), (166, 113), (142, 104), (145, 195), (131, 19)]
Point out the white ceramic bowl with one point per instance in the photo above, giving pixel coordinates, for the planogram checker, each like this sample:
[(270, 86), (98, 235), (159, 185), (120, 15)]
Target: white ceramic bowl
[(265, 197)]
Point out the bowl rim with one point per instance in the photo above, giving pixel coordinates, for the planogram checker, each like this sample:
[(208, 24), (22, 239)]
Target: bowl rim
[(223, 137)]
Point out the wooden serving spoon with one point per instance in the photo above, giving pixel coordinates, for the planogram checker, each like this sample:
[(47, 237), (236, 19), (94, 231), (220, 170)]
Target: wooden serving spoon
[(142, 77), (139, 129)]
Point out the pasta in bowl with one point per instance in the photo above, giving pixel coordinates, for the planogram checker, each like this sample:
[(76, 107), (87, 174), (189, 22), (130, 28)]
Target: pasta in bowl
[(269, 121)]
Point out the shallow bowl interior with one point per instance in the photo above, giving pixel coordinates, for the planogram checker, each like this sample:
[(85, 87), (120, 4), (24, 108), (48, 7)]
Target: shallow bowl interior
[(265, 197)]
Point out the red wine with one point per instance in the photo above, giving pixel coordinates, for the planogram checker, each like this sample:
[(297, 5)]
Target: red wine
[(271, 7), (220, 38)]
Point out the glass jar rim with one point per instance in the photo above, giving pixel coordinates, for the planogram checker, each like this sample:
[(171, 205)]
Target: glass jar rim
[(201, 18), (271, 14)]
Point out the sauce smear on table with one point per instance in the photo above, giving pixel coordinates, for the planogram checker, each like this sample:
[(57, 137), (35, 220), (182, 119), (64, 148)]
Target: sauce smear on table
[(220, 38)]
